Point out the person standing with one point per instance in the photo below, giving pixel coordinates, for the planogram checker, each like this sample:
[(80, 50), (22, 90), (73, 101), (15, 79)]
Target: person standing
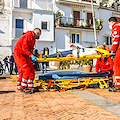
[(23, 53), (11, 62), (16, 71), (43, 64), (105, 65), (6, 63), (115, 26)]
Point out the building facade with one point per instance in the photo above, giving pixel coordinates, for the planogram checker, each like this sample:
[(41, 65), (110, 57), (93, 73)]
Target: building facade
[(74, 23), (63, 22), (19, 16)]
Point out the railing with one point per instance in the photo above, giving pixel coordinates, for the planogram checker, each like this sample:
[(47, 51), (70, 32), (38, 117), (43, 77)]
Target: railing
[(33, 4), (96, 2), (110, 5), (73, 22), (76, 22)]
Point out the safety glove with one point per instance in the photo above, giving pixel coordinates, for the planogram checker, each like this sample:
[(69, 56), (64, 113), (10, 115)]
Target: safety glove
[(34, 58), (113, 53)]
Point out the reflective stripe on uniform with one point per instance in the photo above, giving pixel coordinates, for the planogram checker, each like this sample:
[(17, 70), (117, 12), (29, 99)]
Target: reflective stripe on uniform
[(18, 82), (23, 80), (30, 81), (18, 87), (23, 84), (30, 85), (117, 77), (115, 43), (117, 83), (116, 36)]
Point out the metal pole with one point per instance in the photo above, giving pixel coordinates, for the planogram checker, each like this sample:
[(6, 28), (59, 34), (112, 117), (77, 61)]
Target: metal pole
[(96, 43)]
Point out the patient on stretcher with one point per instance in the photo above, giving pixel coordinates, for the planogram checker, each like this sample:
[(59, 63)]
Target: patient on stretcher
[(75, 52)]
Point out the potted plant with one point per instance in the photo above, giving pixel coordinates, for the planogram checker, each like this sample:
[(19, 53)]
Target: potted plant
[(82, 26), (86, 25), (61, 66), (87, 65), (67, 65), (99, 23)]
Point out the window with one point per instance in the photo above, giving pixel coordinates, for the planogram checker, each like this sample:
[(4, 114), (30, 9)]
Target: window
[(18, 28), (118, 19), (108, 40), (89, 19), (23, 3), (75, 37), (44, 25)]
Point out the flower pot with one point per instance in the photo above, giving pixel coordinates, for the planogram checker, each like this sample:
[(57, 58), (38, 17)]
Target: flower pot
[(87, 68), (67, 67), (61, 67), (100, 27)]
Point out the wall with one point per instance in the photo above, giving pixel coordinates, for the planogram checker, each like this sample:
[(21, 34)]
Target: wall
[(105, 30), (88, 39), (4, 36), (45, 16), (60, 38), (28, 20)]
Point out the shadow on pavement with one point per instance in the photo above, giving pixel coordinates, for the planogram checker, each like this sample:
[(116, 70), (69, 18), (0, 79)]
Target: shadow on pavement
[(4, 92)]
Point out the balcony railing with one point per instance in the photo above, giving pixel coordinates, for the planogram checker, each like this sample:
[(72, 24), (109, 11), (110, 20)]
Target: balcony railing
[(96, 2), (76, 22), (31, 4), (110, 5)]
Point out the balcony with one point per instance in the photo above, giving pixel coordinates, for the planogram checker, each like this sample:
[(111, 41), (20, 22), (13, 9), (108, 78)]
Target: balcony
[(72, 23), (115, 6), (78, 2), (33, 4)]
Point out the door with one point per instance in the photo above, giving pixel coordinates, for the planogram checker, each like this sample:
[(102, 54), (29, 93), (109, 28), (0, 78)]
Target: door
[(89, 19), (76, 18), (18, 28)]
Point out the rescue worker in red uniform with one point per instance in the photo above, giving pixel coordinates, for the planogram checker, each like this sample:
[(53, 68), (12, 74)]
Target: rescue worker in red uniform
[(115, 26), (105, 65), (23, 53)]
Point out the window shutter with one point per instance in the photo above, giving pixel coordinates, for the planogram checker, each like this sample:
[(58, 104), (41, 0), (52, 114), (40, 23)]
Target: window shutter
[(48, 25)]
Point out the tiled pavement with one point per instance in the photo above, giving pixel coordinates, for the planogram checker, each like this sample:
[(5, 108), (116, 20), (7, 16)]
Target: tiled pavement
[(15, 105)]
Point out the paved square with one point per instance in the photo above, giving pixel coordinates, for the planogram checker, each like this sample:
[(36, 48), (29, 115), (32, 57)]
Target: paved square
[(15, 105)]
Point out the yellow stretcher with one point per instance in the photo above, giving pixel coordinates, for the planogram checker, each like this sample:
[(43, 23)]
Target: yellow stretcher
[(49, 83), (103, 55)]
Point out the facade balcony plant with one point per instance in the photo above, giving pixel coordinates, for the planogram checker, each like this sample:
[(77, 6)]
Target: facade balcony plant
[(107, 4), (78, 23)]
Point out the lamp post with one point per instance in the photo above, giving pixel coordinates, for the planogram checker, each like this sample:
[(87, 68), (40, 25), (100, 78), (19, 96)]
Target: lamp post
[(93, 15)]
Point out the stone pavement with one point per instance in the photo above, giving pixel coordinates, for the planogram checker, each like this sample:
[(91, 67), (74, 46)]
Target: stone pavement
[(15, 105)]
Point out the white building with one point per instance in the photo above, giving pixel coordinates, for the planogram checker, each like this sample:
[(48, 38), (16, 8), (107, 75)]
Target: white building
[(75, 25), (19, 16), (105, 13), (78, 13)]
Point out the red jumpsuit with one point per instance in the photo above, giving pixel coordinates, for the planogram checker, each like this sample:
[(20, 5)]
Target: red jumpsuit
[(22, 52), (105, 66), (116, 49)]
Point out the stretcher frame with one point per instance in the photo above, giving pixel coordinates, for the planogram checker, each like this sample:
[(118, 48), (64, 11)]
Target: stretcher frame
[(64, 84)]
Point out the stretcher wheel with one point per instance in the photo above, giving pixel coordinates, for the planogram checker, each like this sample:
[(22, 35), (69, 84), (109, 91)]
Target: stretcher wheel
[(101, 87), (107, 86)]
